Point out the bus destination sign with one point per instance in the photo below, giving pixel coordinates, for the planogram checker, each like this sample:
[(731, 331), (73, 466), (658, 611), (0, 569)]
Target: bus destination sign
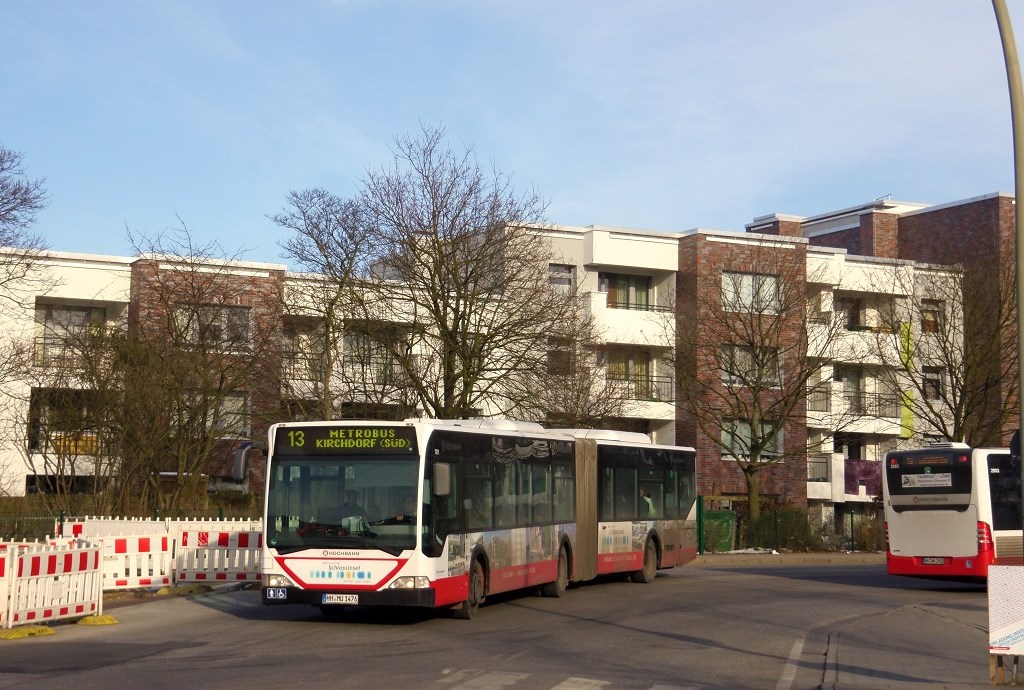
[(340, 440)]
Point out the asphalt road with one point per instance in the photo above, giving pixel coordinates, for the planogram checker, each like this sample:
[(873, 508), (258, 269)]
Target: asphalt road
[(719, 623)]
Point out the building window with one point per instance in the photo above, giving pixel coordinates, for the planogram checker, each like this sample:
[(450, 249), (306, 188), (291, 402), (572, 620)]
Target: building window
[(630, 371), (625, 291), (562, 278), (750, 292), (737, 439), (931, 315), (226, 414), (932, 384), (60, 330), (214, 325), (754, 367), (305, 354), (372, 359), (851, 311), (561, 359)]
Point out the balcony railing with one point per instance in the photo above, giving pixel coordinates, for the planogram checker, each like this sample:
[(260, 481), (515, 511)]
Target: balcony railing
[(872, 405), (649, 388), (53, 350), (638, 306), (67, 443), (819, 468)]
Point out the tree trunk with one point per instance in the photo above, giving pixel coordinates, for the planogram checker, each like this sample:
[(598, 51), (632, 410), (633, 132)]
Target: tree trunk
[(753, 494)]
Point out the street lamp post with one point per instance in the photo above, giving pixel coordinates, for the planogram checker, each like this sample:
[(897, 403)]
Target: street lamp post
[(1016, 113)]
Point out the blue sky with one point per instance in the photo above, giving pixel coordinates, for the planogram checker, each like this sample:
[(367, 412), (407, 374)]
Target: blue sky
[(664, 115)]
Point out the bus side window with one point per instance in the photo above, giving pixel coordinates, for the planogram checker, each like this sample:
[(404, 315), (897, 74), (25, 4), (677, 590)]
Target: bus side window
[(626, 494), (564, 492), (523, 493), (541, 493)]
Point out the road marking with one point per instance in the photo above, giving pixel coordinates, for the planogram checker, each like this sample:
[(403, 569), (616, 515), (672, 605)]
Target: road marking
[(580, 684), (479, 680), (792, 663)]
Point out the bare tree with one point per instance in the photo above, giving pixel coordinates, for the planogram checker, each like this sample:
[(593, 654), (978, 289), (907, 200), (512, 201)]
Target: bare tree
[(206, 338), (21, 199), (574, 391), (332, 366), (749, 352), (947, 346), (21, 276), (445, 274)]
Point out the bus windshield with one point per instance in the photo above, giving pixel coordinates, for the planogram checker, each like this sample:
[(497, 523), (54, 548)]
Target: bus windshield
[(343, 502)]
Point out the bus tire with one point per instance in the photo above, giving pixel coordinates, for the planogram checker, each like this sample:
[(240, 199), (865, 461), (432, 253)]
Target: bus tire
[(561, 583), (650, 569), (467, 609)]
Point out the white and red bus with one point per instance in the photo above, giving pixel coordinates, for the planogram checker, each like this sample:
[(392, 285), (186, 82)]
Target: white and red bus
[(441, 514), (951, 511)]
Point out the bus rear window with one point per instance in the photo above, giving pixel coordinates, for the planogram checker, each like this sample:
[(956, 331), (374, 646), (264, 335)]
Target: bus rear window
[(929, 479)]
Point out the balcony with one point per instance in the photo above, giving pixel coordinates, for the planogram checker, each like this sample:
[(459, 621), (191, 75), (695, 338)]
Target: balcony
[(376, 371), (57, 351), (632, 323), (872, 405), (301, 365), (67, 443), (649, 388)]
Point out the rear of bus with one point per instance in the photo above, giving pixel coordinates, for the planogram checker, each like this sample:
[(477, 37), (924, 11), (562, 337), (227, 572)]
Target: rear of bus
[(934, 528)]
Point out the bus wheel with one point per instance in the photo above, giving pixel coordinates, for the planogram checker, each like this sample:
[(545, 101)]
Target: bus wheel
[(650, 568), (557, 588), (475, 597)]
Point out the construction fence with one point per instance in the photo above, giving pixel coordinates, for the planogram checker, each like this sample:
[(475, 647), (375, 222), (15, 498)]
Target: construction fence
[(66, 576)]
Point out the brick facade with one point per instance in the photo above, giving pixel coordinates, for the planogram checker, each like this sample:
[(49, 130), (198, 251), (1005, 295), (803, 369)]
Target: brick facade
[(701, 262), (158, 287)]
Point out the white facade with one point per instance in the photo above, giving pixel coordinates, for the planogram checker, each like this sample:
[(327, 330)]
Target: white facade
[(628, 278), (61, 289)]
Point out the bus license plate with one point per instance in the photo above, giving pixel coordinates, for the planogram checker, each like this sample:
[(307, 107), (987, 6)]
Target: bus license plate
[(340, 599), (933, 561)]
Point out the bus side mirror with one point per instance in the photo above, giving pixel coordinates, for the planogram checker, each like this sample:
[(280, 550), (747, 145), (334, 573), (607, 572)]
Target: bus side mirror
[(240, 467), (442, 480)]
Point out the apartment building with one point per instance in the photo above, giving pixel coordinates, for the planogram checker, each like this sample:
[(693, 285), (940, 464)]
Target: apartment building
[(949, 268), (60, 334), (852, 268), (627, 278)]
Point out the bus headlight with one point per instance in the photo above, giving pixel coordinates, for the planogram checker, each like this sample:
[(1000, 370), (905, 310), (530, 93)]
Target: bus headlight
[(418, 582), (277, 581)]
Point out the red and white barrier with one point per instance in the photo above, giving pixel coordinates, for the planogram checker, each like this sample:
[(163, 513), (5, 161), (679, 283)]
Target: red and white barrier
[(210, 556), (139, 552), (136, 561), (90, 527), (45, 582)]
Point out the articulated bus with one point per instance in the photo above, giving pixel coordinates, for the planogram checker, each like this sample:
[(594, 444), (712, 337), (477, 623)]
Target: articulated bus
[(441, 514), (951, 511)]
